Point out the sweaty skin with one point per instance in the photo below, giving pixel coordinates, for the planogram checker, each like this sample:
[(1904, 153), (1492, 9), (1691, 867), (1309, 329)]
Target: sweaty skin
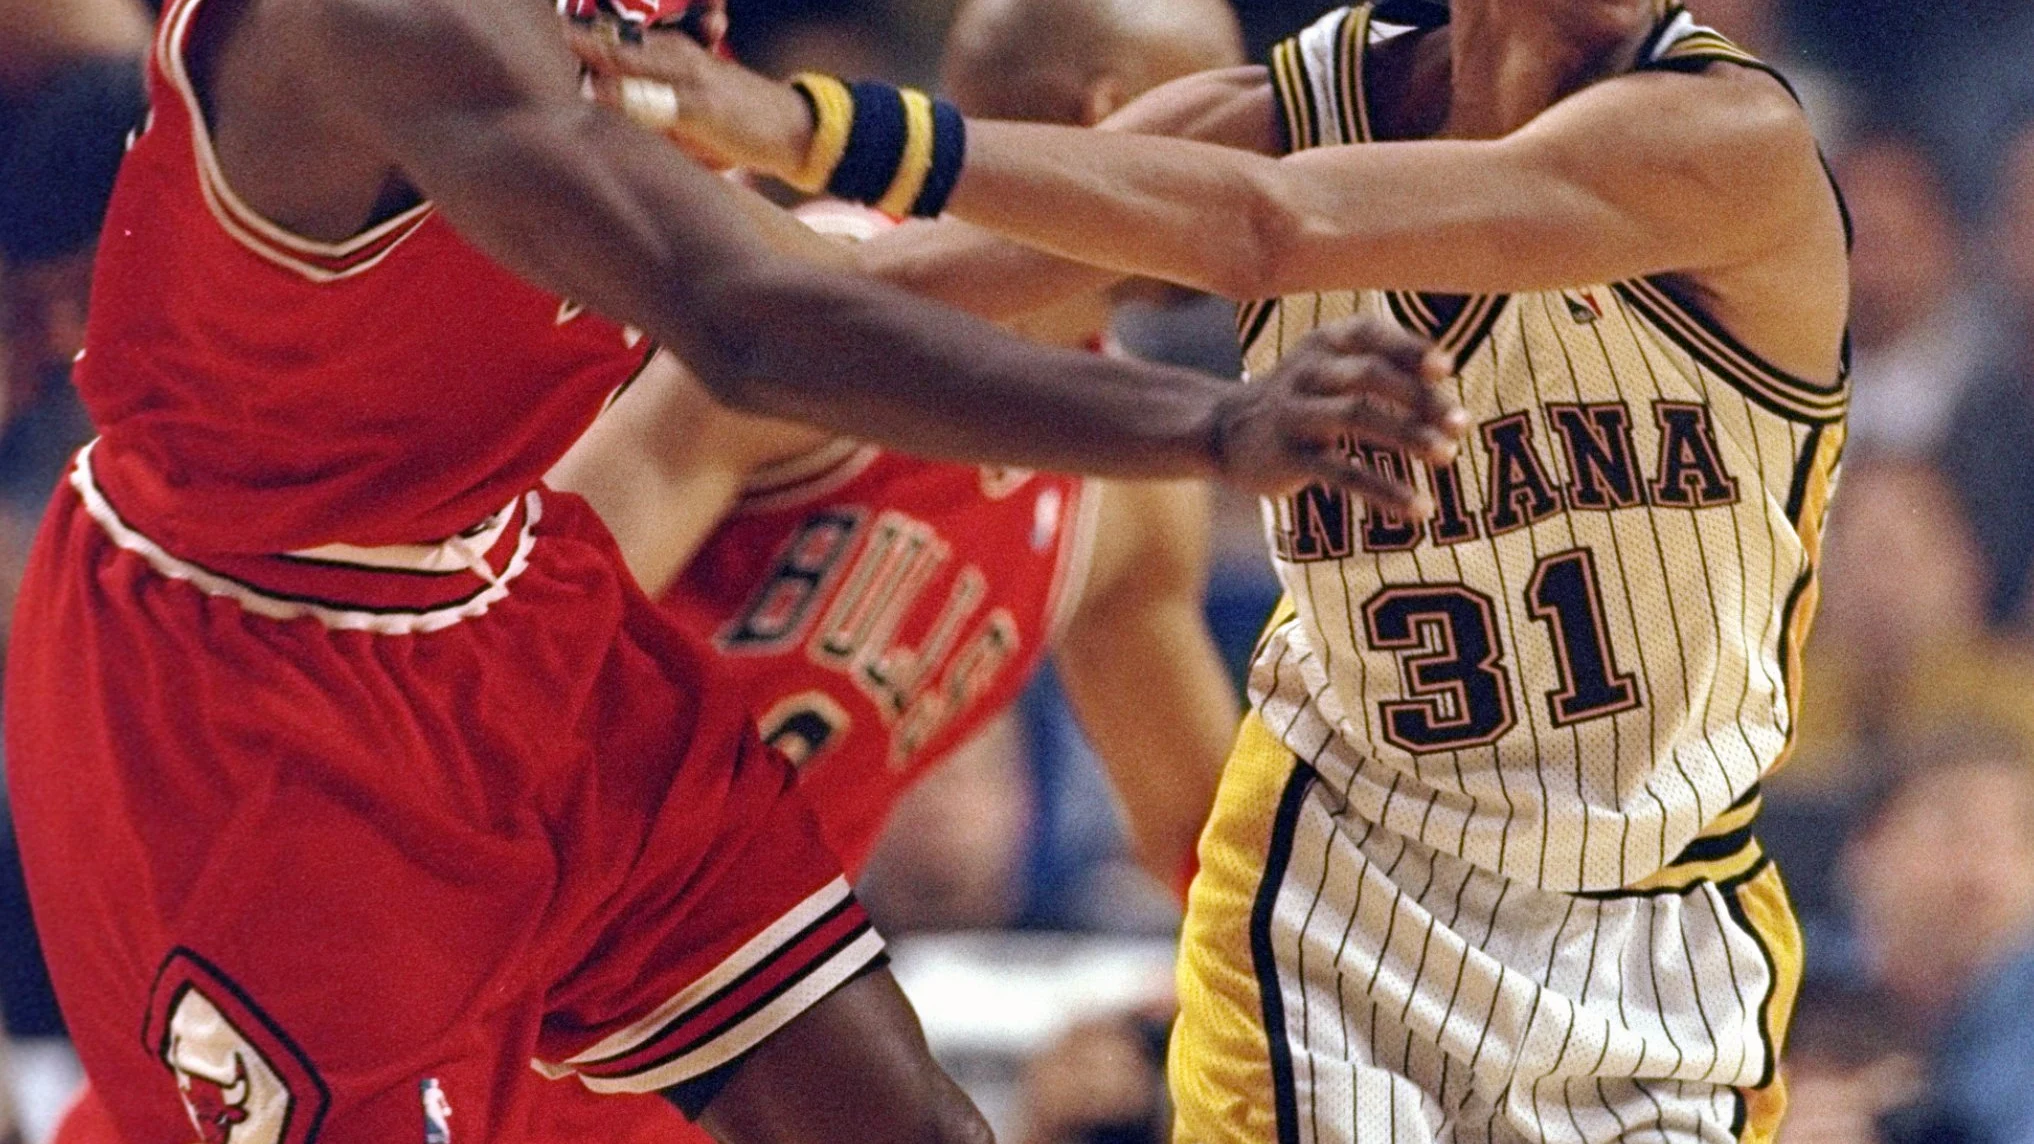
[(1540, 161)]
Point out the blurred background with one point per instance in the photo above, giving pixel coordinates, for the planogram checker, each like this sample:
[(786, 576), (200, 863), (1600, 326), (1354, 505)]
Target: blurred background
[(1041, 958)]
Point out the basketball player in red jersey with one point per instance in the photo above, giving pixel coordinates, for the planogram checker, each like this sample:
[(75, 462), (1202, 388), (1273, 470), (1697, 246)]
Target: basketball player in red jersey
[(348, 766), (939, 585)]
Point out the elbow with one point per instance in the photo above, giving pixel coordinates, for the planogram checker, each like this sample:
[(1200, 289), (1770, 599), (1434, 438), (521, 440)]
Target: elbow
[(1256, 260)]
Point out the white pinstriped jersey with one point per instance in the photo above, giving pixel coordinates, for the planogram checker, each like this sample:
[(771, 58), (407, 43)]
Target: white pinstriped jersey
[(1589, 654)]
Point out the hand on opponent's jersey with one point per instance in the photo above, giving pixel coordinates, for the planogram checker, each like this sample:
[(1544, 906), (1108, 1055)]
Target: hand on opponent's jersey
[(1360, 380), (1363, 381)]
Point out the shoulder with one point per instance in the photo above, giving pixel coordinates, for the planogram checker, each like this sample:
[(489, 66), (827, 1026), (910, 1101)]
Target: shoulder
[(1725, 140), (1724, 110), (444, 51)]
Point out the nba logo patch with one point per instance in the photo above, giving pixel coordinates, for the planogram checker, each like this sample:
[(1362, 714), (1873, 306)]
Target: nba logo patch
[(1583, 306), (437, 1113)]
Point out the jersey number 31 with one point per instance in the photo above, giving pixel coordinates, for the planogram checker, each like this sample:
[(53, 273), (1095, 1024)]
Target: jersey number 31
[(1458, 692)]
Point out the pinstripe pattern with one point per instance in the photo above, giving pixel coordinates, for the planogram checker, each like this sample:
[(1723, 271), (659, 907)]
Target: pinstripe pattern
[(1394, 993), (1469, 1005), (1694, 584), (1512, 893)]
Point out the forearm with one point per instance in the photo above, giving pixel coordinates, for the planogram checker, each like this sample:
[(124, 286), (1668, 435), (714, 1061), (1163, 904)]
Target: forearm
[(1387, 216), (770, 335), (1149, 688), (1156, 208), (936, 383), (974, 270), (949, 262)]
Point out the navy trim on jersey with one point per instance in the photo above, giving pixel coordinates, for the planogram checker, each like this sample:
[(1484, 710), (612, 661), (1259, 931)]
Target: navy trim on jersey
[(1276, 861)]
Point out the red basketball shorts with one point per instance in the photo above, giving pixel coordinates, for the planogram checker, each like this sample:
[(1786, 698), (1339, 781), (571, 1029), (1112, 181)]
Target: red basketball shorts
[(368, 845)]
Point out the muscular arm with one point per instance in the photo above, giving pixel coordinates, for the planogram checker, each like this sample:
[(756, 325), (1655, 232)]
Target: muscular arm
[(477, 106), (1142, 671), (1712, 177), (1630, 177), (980, 272)]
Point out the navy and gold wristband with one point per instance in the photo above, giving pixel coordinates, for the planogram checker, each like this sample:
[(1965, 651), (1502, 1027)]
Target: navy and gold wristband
[(895, 149)]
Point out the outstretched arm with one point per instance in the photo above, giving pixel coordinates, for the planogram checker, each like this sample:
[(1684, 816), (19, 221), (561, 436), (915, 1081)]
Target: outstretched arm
[(1626, 178), (983, 273), (478, 106), (1142, 671)]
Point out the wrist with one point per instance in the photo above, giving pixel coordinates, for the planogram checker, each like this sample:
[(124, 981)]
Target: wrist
[(791, 140), (1224, 425), (895, 149)]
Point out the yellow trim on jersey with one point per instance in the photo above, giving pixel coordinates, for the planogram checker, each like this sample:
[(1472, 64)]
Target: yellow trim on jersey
[(1725, 850), (1775, 389), (1760, 903), (1819, 485), (1706, 44), (1220, 1061), (1351, 47), (1681, 877), (1295, 98)]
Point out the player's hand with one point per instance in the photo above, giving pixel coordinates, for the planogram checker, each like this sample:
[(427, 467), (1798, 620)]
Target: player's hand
[(722, 111), (1362, 381)]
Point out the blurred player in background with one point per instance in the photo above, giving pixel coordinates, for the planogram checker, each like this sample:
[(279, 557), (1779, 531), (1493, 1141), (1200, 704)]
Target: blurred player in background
[(877, 610), (1482, 866), (350, 767), (913, 598)]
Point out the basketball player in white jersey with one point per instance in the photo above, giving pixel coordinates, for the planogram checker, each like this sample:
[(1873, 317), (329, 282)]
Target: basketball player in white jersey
[(1482, 867)]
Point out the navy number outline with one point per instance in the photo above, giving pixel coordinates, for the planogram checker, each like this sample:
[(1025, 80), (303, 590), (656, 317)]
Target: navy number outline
[(1457, 689)]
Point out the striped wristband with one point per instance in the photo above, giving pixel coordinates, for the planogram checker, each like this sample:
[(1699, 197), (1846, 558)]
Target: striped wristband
[(896, 149)]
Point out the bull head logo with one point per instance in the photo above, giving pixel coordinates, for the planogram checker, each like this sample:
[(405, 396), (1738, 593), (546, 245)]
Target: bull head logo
[(215, 1108), (230, 1088)]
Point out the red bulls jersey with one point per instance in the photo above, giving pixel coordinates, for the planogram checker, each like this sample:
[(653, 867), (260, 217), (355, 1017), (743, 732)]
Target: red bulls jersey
[(876, 610), (260, 392)]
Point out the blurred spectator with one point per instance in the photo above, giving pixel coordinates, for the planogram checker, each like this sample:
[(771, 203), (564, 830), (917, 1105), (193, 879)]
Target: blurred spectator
[(837, 45), (1942, 871), (1991, 450), (70, 90), (1955, 74), (1102, 1082), (1898, 648), (1899, 644), (1846, 1068), (1915, 327)]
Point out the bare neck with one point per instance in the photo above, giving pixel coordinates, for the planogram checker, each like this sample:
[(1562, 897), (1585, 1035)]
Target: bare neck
[(1511, 60)]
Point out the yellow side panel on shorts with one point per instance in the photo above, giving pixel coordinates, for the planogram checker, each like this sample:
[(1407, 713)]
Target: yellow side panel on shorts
[(1763, 905), (1220, 1066)]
